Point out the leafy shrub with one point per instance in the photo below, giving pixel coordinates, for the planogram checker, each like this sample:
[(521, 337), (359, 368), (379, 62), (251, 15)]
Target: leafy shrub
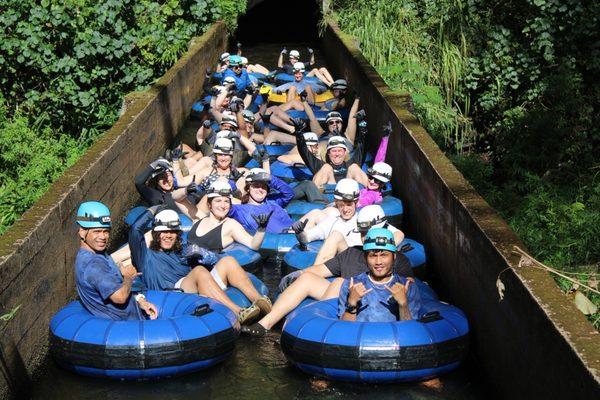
[(31, 158), (65, 68), (524, 76)]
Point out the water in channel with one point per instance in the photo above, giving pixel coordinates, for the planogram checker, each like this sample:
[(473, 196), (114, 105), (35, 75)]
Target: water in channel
[(257, 369)]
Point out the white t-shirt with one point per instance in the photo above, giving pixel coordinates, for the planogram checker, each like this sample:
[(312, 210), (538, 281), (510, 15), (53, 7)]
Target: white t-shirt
[(324, 228)]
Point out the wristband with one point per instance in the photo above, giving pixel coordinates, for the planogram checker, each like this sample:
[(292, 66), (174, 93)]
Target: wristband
[(352, 309), (139, 297)]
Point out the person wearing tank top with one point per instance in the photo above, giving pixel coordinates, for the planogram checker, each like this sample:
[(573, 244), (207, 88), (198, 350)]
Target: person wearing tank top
[(217, 230), (168, 264)]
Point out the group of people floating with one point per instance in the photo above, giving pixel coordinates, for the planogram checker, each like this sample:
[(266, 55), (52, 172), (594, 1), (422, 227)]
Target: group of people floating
[(207, 182)]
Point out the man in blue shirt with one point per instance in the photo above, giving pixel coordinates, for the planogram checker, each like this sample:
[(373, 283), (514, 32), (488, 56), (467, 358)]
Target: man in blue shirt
[(104, 289), (235, 70), (379, 295)]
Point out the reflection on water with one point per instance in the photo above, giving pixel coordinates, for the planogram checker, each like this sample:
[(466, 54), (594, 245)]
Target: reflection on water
[(257, 370)]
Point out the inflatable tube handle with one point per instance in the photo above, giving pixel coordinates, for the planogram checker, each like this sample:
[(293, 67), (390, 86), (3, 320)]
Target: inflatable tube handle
[(298, 165), (431, 316), (405, 248), (202, 310)]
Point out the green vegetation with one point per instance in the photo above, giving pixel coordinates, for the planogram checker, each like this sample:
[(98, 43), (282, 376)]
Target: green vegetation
[(510, 93), (64, 70)]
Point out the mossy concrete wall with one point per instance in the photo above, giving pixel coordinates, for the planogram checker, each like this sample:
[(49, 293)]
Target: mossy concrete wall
[(37, 254), (534, 343)]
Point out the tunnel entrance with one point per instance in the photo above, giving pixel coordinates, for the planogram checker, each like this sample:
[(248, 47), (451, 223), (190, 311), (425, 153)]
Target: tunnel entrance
[(281, 22)]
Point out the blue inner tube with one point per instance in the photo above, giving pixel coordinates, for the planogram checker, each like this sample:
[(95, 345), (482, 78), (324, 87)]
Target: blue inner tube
[(282, 78), (249, 259), (291, 172), (176, 343), (298, 208), (298, 259), (275, 150), (317, 342), (320, 115), (239, 298), (277, 243)]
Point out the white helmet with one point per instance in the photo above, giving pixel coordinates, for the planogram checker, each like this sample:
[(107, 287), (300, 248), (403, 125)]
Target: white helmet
[(248, 116), (371, 217), (299, 66), (310, 138), (336, 141), (220, 187), (229, 119), (228, 80), (258, 175), (295, 54), (339, 84), (224, 57), (333, 116), (346, 189), (381, 171), (223, 146), (223, 134), (166, 220), (244, 61)]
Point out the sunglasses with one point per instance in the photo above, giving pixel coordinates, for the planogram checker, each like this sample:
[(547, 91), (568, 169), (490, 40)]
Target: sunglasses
[(334, 122), (236, 66)]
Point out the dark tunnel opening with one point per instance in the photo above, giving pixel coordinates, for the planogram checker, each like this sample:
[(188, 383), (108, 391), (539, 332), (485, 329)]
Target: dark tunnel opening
[(281, 22)]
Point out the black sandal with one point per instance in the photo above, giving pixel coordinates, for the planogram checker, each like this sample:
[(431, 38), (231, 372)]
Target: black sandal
[(256, 330)]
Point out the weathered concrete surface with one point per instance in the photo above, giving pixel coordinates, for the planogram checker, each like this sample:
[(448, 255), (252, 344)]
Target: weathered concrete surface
[(533, 344), (37, 254)]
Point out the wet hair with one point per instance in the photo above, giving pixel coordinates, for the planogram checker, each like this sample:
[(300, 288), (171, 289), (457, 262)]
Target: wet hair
[(155, 243)]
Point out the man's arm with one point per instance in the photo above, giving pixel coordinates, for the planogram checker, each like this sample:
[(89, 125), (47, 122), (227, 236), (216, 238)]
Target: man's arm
[(314, 124), (312, 162), (286, 193)]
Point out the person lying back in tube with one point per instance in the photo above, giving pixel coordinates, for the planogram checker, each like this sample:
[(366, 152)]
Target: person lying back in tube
[(220, 164), (294, 57), (216, 230), (263, 194), (299, 85), (168, 264), (379, 295), (312, 282), (235, 70), (104, 288), (339, 90), (333, 121), (367, 217), (157, 185), (335, 166), (345, 196)]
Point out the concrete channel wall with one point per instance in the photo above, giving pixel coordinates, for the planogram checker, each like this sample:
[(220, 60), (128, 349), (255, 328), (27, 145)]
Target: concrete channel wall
[(37, 254), (534, 343)]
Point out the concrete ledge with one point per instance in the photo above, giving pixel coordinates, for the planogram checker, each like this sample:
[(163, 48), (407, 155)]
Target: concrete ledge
[(37, 254), (533, 344)]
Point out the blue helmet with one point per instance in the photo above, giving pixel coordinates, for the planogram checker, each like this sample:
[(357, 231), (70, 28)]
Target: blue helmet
[(235, 60), (93, 214), (379, 239)]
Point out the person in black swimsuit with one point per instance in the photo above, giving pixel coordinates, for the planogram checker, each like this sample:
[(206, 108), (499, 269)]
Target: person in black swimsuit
[(216, 231)]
